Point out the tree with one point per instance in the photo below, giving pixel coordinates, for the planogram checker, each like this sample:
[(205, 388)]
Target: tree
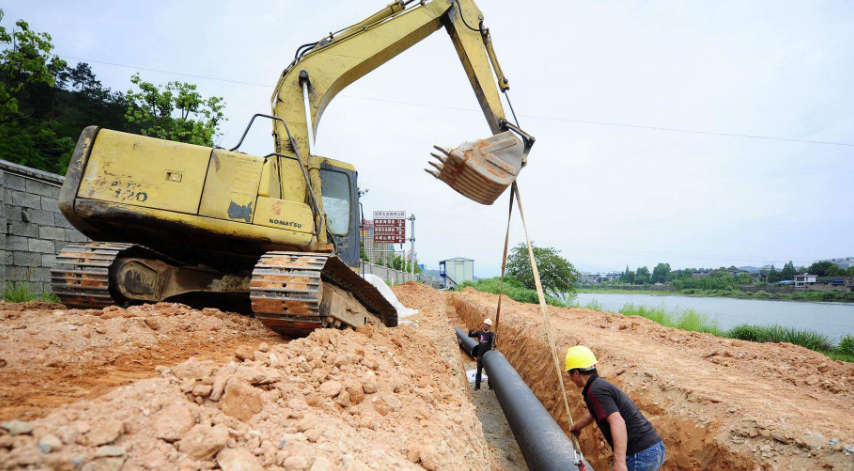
[(628, 276), (773, 276), (825, 269), (642, 276), (176, 112), (27, 61), (661, 273), (556, 273), (788, 272)]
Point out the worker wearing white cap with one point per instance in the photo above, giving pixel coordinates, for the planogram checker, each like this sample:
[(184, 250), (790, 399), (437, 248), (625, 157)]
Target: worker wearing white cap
[(486, 340)]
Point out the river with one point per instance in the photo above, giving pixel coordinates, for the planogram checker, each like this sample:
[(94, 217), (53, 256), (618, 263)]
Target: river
[(832, 319)]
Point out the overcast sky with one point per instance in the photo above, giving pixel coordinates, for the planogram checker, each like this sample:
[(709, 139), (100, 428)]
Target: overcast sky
[(606, 195)]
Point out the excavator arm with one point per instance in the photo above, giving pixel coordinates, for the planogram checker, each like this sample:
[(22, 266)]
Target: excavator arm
[(481, 170)]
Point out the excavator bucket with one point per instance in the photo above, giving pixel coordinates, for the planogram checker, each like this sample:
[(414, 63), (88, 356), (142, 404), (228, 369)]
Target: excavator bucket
[(483, 169)]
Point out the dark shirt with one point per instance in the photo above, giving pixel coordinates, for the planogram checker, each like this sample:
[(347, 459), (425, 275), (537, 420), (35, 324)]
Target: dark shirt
[(603, 399), (485, 340)]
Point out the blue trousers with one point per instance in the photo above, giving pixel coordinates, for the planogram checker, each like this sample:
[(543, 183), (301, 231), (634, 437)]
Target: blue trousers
[(650, 459)]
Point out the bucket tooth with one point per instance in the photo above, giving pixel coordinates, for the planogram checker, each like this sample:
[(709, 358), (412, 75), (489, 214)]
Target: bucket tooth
[(442, 150), (432, 172), (436, 166), (441, 158)]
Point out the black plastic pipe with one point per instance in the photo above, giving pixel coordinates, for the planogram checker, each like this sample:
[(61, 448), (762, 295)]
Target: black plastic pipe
[(542, 441), (466, 343)]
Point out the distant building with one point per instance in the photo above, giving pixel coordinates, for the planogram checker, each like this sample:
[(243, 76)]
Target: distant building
[(804, 279), (455, 271), (588, 278), (700, 274), (843, 263)]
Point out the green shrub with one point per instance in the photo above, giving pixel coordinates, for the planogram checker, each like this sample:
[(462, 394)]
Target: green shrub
[(745, 332), (23, 292), (846, 345), (512, 288), (776, 333), (594, 305), (762, 295)]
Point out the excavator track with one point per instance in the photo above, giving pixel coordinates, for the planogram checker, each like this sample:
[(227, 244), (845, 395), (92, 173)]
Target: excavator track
[(292, 293), (81, 278)]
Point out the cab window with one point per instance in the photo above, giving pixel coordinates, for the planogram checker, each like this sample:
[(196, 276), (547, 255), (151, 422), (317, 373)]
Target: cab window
[(336, 201)]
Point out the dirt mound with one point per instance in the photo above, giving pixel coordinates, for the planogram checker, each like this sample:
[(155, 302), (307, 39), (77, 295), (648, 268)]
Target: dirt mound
[(372, 399), (50, 355), (718, 403), (421, 297)]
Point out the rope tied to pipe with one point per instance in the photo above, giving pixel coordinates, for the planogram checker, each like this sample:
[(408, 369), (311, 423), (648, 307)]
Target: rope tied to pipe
[(542, 301)]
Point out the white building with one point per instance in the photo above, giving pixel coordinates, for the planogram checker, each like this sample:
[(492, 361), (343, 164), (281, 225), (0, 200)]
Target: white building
[(804, 279)]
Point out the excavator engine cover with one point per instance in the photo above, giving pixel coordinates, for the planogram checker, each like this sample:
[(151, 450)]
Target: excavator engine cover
[(483, 169)]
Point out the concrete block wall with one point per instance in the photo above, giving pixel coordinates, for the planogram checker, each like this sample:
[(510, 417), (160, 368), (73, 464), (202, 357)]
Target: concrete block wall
[(395, 276), (32, 230)]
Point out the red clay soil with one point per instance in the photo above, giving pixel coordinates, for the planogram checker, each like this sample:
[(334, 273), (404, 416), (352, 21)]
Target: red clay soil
[(719, 404), (50, 355), (336, 400)]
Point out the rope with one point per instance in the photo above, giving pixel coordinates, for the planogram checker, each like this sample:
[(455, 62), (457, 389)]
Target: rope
[(542, 297), (504, 265)]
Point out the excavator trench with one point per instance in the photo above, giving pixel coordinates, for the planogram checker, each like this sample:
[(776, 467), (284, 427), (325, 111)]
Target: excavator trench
[(738, 414)]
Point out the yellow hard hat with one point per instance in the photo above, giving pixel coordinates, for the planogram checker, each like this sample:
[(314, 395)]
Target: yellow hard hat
[(580, 357)]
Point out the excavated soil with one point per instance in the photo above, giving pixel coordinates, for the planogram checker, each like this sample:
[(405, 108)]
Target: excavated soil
[(336, 400), (718, 403), (50, 355), (168, 387)]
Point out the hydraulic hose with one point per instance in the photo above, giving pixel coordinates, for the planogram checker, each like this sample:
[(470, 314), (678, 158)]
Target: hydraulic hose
[(542, 441)]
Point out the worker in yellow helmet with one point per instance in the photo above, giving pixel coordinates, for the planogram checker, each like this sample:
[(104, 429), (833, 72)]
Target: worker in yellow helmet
[(636, 444)]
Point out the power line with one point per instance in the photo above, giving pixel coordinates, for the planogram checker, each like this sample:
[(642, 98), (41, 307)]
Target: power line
[(167, 72), (546, 118)]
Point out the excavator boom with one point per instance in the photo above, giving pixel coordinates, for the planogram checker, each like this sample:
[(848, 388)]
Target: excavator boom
[(480, 170)]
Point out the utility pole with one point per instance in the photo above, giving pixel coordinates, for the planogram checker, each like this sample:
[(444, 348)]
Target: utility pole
[(412, 246)]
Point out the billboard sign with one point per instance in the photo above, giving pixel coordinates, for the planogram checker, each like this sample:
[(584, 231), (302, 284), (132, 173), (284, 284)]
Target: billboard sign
[(390, 227)]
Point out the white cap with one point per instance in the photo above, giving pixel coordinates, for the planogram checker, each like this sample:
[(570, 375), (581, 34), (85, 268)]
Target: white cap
[(488, 321)]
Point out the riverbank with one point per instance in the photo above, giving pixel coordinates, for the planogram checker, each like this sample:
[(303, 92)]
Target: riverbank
[(806, 296)]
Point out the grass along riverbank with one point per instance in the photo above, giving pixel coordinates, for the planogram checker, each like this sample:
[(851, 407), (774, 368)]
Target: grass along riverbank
[(685, 319), (809, 296), (512, 289), (691, 320)]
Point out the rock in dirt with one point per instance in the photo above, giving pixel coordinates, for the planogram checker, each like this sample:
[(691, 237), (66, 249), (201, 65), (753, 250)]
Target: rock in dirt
[(104, 432), (244, 352), (17, 427), (296, 463), (241, 400), (173, 422), (49, 443), (238, 459), (330, 388), (203, 441), (109, 451)]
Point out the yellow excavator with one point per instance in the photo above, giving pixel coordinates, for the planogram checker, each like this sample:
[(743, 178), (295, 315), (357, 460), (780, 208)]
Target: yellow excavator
[(175, 221)]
